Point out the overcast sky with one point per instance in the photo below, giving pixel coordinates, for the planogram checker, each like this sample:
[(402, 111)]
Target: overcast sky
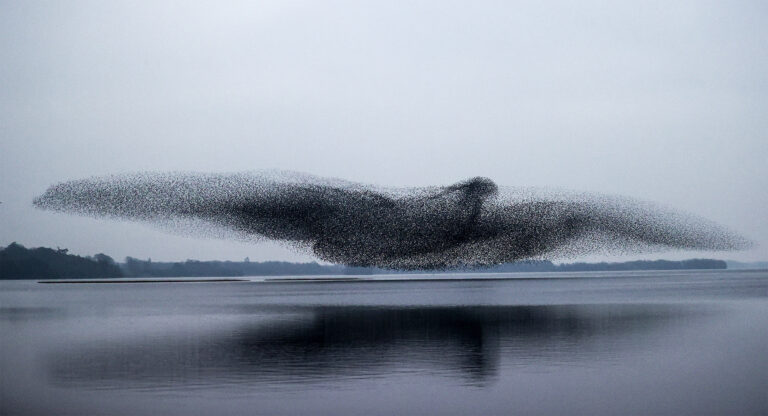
[(666, 101)]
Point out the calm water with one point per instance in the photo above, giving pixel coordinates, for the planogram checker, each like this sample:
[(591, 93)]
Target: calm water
[(593, 343)]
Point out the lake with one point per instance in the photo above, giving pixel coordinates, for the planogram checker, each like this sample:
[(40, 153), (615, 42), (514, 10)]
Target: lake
[(628, 343)]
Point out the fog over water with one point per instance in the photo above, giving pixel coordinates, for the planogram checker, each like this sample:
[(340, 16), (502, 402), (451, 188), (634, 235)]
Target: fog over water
[(685, 342)]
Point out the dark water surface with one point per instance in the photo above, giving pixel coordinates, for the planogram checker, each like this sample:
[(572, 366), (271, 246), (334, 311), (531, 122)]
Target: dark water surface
[(584, 343)]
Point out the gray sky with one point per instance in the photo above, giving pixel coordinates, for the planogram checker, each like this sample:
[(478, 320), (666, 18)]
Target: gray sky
[(666, 101)]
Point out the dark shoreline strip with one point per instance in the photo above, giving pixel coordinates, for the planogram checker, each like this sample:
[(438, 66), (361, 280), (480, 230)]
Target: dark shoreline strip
[(144, 281), (318, 279), (462, 279)]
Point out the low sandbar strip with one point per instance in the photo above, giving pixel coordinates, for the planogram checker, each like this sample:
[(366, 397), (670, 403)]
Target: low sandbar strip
[(144, 281)]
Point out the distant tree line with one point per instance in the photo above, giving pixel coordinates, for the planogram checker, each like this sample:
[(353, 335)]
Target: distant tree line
[(18, 262), (691, 264), (194, 268)]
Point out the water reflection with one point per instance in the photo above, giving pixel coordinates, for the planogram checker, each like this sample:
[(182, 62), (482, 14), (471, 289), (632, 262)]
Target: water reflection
[(322, 344)]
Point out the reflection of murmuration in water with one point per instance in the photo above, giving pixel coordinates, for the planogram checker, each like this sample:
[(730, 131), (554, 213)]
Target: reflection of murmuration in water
[(320, 344), (473, 222)]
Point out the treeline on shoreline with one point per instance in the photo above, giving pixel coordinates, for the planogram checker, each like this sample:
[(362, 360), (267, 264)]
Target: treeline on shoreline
[(19, 262)]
